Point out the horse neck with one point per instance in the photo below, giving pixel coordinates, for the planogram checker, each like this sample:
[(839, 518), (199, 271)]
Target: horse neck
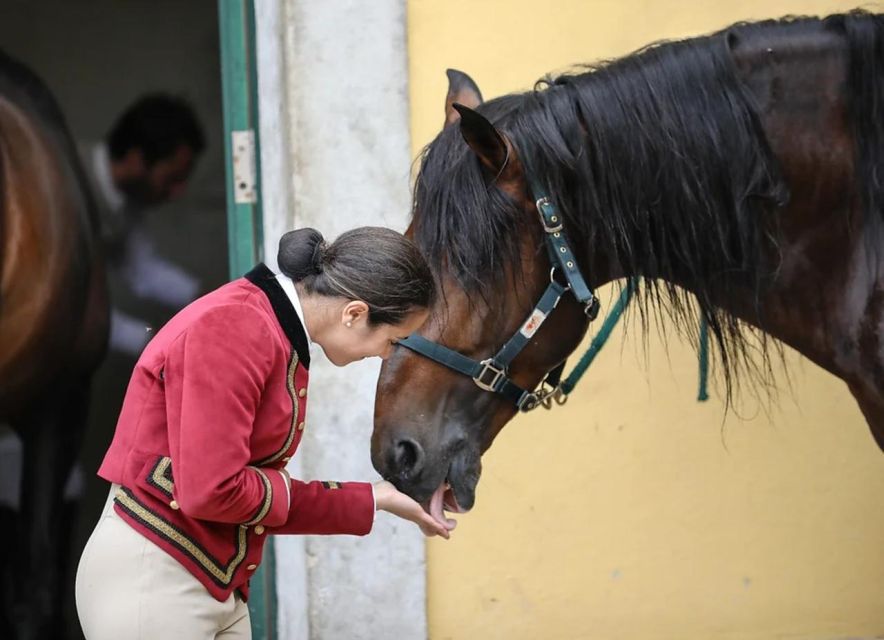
[(829, 263)]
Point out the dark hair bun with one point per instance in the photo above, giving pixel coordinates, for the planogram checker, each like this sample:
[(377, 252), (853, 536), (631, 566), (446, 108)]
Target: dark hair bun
[(300, 253)]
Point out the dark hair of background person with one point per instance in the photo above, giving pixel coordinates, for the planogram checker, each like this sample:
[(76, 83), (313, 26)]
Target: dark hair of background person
[(157, 124), (379, 266)]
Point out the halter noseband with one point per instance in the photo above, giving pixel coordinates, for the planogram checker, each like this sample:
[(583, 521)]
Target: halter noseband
[(492, 373)]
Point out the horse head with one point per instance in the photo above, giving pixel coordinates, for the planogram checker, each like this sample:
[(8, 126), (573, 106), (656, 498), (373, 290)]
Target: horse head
[(476, 218)]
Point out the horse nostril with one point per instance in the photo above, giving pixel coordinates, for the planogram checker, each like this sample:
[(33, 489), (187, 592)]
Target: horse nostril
[(408, 458)]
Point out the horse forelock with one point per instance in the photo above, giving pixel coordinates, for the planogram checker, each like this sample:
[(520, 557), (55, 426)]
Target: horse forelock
[(466, 227)]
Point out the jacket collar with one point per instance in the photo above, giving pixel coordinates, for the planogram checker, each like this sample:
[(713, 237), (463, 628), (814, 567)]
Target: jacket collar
[(263, 278)]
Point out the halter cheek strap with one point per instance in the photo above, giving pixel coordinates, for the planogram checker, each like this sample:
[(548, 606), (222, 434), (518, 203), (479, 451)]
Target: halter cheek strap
[(491, 374), (561, 255)]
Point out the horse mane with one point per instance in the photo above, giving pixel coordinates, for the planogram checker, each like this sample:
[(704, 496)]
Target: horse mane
[(674, 119)]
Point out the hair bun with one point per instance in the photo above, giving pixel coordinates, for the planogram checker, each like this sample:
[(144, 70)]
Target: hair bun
[(318, 254), (301, 253)]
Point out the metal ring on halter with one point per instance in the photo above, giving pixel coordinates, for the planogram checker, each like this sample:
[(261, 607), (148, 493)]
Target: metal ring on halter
[(559, 396), (546, 394), (552, 278)]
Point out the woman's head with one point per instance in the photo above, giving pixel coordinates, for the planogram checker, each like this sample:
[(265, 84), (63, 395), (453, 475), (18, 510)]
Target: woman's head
[(367, 289)]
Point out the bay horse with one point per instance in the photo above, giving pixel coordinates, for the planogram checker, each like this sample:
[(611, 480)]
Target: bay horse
[(743, 169), (53, 334)]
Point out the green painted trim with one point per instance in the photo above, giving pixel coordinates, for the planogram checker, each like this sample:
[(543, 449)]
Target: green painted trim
[(239, 79), (253, 96), (239, 91)]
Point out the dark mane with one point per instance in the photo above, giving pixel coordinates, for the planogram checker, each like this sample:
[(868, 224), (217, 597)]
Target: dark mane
[(658, 159)]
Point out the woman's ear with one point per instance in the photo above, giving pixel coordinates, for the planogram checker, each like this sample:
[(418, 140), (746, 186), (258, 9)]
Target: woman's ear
[(354, 312)]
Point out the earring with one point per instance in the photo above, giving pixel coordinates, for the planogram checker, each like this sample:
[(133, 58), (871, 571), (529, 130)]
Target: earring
[(349, 324)]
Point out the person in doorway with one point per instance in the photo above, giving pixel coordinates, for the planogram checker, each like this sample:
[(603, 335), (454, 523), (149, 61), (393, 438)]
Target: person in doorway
[(214, 410), (146, 160)]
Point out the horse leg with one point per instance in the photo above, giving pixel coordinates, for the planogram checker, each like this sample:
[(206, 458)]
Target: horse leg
[(51, 436), (10, 493), (872, 406)]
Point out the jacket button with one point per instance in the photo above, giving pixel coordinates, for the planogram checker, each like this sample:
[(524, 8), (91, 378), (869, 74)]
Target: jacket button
[(302, 393), (174, 505), (252, 567), (259, 529), (300, 426)]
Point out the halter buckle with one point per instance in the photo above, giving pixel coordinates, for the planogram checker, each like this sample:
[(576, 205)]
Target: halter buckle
[(556, 220), (489, 370)]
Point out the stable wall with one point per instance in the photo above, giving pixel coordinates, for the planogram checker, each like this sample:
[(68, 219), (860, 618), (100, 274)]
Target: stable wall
[(634, 511), (333, 160)]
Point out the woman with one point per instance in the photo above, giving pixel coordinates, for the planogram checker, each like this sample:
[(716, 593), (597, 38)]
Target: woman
[(214, 410)]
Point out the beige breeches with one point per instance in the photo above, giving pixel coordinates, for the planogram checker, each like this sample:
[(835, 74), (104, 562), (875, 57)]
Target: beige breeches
[(130, 589)]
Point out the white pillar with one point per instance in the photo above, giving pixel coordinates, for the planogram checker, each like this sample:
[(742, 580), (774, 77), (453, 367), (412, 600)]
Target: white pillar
[(334, 119)]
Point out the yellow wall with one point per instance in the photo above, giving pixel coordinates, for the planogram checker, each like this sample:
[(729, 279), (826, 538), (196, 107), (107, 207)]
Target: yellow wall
[(635, 512)]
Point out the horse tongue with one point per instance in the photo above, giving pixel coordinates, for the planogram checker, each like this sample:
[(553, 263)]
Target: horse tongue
[(449, 502), (436, 504)]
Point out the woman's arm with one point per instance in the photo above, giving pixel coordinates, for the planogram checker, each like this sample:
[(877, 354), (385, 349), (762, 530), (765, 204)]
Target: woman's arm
[(348, 507), (214, 378)]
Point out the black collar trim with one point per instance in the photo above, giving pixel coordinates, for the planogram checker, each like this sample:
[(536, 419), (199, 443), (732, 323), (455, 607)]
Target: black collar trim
[(266, 281)]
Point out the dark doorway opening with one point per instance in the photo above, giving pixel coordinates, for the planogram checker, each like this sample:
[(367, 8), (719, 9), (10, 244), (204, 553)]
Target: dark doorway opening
[(98, 57)]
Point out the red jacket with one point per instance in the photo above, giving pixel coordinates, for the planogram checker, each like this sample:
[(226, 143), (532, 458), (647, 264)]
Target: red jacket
[(214, 410)]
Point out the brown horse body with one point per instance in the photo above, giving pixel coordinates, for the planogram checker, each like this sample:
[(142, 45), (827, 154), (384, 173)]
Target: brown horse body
[(53, 334), (796, 129)]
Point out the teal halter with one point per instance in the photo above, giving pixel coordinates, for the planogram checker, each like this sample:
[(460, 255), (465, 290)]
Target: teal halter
[(492, 374)]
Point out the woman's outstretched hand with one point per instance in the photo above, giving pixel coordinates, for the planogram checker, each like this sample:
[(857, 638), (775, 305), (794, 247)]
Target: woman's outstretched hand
[(389, 498)]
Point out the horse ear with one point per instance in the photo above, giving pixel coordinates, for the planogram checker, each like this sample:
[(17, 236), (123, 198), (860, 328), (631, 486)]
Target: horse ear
[(485, 141), (462, 90)]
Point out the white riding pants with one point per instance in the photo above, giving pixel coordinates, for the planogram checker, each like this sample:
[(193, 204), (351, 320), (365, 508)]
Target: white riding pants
[(130, 589)]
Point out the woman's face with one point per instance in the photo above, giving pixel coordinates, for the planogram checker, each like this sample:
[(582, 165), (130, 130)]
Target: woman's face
[(355, 339)]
